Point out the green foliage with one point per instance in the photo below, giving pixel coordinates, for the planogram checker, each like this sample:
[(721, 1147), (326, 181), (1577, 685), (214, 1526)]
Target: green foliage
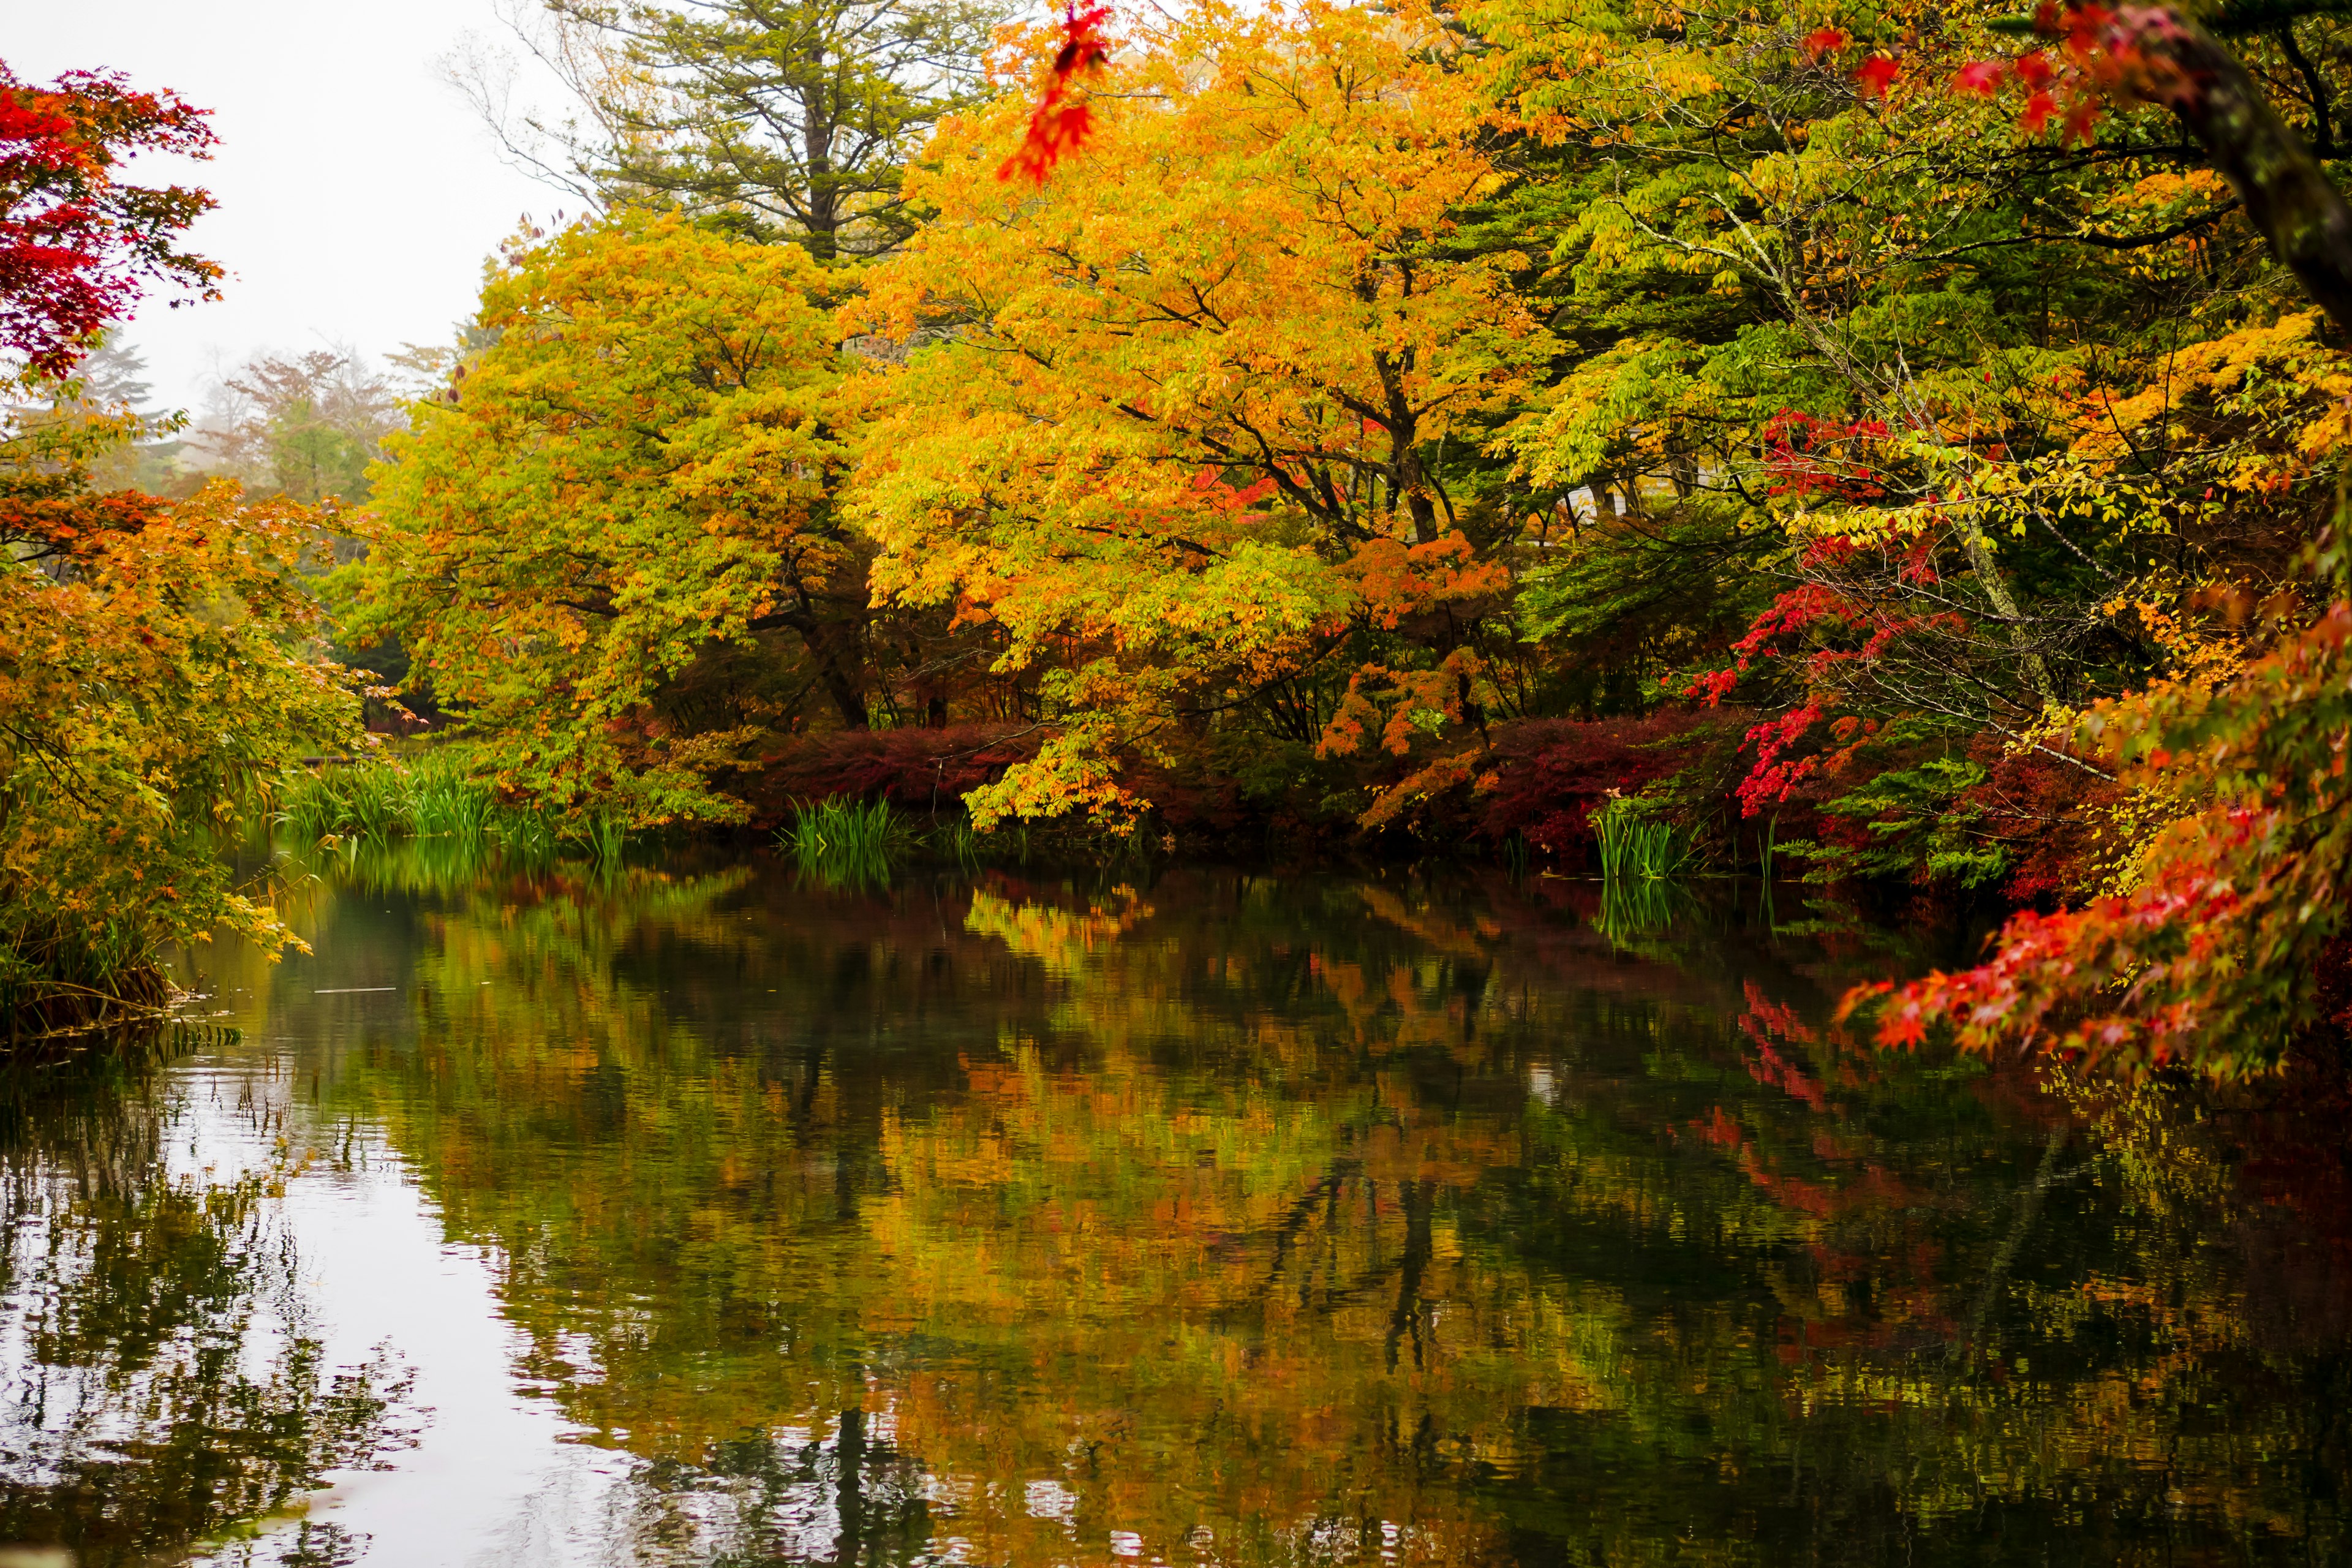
[(1920, 827), (785, 121), (632, 482), (1627, 600)]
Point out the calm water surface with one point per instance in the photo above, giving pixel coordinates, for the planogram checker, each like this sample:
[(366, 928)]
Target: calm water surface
[(696, 1214)]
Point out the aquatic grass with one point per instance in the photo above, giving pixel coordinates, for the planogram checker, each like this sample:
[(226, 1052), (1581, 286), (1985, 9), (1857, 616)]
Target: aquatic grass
[(1516, 854), (847, 842), (1635, 845), (445, 803), (958, 842), (1638, 908), (605, 836), (352, 801), (434, 794)]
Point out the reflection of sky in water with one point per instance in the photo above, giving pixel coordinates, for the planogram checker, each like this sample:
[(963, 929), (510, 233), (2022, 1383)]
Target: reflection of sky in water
[(1219, 1221), (492, 1479)]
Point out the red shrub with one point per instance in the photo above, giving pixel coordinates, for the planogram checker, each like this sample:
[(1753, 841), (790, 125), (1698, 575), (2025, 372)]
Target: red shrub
[(918, 770), (1549, 774), (2036, 806)]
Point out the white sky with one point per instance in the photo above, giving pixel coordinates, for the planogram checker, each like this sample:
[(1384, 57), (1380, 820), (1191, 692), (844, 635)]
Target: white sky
[(358, 193)]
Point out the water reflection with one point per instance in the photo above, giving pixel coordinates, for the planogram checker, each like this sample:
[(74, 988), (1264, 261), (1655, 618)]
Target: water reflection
[(164, 1380), (1239, 1220)]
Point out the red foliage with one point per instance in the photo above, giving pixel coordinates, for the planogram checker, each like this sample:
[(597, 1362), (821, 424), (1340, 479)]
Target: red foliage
[(920, 770), (2033, 803), (1775, 772), (63, 523), (1805, 454), (1981, 77), (1549, 775), (77, 249), (1875, 74), (2098, 52), (1062, 121), (2133, 979), (2211, 958)]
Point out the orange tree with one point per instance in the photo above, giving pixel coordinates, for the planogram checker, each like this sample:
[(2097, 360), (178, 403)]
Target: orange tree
[(155, 678), (155, 684), (630, 489), (1194, 425)]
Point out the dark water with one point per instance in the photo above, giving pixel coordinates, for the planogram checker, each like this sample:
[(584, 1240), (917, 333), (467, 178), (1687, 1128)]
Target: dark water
[(698, 1215)]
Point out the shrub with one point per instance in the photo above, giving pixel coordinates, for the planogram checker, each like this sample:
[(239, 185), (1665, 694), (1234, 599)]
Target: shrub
[(1550, 776)]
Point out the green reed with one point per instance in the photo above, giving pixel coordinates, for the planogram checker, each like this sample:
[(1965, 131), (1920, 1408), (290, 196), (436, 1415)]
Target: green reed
[(957, 842), (1637, 909), (435, 795), (1635, 845), (845, 841)]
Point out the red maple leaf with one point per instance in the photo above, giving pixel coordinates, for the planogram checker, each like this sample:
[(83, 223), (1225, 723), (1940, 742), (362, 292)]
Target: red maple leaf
[(1061, 122)]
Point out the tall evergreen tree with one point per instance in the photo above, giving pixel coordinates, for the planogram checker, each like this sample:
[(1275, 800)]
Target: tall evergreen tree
[(779, 119)]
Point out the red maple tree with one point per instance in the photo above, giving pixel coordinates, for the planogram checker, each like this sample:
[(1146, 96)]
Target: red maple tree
[(78, 247)]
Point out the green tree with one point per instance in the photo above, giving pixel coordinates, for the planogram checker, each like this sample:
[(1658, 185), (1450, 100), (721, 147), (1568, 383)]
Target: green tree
[(777, 119), (305, 426)]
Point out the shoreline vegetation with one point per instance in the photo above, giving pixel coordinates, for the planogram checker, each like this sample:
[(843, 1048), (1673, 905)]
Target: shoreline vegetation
[(1903, 453)]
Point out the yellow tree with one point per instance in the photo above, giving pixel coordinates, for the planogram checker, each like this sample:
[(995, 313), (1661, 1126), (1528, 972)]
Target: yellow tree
[(1190, 424), (636, 475)]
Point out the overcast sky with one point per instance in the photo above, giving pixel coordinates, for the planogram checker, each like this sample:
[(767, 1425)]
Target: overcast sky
[(357, 194)]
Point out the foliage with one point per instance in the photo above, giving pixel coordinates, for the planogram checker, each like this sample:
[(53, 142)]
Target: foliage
[(1172, 424), (153, 684), (2212, 952), (1062, 121), (78, 247), (1371, 393), (1549, 777), (635, 475), (920, 771), (1919, 821), (767, 119), (306, 427)]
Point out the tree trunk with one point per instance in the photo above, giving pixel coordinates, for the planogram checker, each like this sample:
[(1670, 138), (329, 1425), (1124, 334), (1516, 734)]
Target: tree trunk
[(2170, 60)]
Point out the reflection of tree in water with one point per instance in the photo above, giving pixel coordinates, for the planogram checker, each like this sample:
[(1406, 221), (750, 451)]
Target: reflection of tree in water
[(160, 1384), (1261, 1221)]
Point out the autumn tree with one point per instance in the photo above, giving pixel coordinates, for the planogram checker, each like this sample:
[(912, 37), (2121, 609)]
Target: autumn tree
[(2207, 945), (632, 486), (152, 686), (79, 247), (305, 425), (1196, 425)]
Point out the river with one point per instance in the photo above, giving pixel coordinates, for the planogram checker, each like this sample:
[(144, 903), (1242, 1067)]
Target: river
[(696, 1213)]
